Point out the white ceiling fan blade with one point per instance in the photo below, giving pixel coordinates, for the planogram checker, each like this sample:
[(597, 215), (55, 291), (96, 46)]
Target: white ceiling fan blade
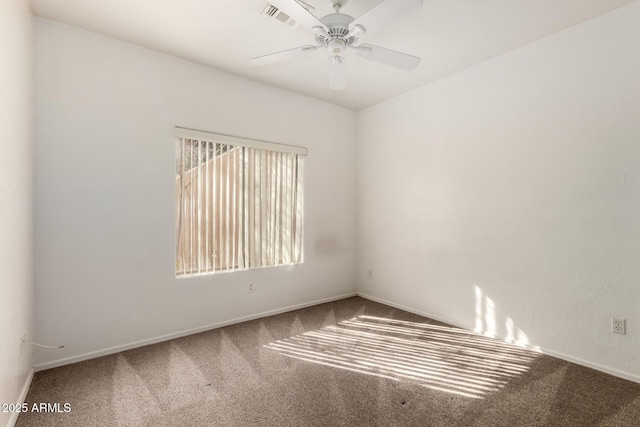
[(384, 14), (285, 55), (296, 11), (389, 57), (337, 73)]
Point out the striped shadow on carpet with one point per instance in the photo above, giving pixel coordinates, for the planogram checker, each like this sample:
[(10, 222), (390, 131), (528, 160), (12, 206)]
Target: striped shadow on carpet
[(438, 357)]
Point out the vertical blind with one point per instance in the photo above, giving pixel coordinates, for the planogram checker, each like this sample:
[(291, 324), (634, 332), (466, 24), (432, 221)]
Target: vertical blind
[(238, 203)]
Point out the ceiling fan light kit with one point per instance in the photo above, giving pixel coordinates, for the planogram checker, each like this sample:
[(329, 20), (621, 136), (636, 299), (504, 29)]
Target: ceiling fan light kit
[(338, 32)]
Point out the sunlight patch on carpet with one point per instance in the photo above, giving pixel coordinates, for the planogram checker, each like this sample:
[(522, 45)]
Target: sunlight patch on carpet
[(441, 358)]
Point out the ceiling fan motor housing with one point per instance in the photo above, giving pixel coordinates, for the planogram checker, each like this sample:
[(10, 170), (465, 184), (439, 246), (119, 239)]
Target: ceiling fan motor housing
[(335, 38)]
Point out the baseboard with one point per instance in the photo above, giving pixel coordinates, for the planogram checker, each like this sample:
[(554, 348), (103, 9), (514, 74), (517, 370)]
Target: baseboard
[(559, 355), (607, 370), (22, 398), (184, 333)]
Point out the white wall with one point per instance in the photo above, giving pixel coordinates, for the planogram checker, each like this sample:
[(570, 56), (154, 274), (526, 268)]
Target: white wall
[(16, 199), (105, 112), (507, 197)]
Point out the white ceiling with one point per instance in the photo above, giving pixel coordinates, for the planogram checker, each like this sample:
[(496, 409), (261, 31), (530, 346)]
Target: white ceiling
[(449, 35)]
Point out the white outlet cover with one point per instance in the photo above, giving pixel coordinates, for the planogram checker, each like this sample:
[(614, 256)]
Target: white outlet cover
[(619, 326)]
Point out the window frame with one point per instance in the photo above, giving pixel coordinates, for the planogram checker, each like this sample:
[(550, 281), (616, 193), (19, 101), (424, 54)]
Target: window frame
[(255, 146)]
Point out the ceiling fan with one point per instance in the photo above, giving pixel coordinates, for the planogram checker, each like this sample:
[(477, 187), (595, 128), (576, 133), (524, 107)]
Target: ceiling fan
[(338, 32)]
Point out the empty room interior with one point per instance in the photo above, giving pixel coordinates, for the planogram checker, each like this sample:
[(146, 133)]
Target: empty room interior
[(363, 212)]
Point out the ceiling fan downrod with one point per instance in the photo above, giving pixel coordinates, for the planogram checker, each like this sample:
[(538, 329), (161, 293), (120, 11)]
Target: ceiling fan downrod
[(338, 4)]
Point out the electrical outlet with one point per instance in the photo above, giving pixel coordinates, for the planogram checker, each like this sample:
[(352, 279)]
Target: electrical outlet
[(370, 276), (252, 287), (619, 326)]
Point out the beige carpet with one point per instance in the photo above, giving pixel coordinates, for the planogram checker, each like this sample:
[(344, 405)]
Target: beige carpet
[(348, 363)]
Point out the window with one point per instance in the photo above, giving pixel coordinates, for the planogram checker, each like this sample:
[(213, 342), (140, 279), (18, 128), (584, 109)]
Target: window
[(238, 203)]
